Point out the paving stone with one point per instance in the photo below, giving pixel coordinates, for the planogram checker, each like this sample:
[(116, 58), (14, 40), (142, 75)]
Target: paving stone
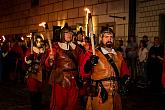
[(15, 97)]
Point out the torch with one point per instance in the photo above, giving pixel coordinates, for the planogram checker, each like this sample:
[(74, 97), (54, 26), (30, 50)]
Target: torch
[(90, 26), (31, 43), (45, 25)]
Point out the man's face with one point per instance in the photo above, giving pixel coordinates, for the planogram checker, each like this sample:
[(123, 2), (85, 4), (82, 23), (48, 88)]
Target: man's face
[(80, 37), (145, 39), (68, 36), (107, 40), (39, 43), (156, 42)]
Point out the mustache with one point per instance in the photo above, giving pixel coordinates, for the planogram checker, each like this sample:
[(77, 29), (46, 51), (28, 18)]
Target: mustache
[(109, 42)]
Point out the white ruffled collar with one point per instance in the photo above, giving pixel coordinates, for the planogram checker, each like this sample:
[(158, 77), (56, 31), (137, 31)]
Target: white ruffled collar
[(65, 46), (38, 50), (107, 52)]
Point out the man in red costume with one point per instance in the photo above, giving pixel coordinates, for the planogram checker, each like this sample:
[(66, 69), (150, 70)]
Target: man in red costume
[(109, 72), (35, 62), (15, 57), (66, 56), (85, 45)]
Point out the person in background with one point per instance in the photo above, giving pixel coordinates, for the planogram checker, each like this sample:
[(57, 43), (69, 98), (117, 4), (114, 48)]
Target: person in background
[(155, 64), (16, 57), (148, 43), (163, 75), (131, 52), (1, 67), (35, 64), (122, 48), (83, 90), (5, 60), (142, 59)]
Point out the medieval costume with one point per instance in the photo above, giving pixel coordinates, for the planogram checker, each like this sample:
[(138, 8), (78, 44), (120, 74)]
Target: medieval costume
[(35, 64), (16, 60), (104, 91), (64, 76), (85, 77)]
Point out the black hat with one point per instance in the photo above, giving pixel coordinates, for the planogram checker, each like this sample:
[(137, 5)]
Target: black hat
[(38, 36), (106, 29)]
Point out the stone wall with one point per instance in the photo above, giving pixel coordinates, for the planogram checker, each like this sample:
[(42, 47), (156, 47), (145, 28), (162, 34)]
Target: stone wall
[(19, 17), (148, 17)]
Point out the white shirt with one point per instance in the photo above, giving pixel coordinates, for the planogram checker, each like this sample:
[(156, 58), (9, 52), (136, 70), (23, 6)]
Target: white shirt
[(107, 52), (149, 45)]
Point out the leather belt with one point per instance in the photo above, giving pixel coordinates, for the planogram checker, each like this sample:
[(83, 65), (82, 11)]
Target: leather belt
[(106, 79)]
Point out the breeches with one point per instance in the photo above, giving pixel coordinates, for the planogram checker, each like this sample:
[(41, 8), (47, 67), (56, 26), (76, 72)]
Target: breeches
[(33, 85), (113, 103), (64, 98)]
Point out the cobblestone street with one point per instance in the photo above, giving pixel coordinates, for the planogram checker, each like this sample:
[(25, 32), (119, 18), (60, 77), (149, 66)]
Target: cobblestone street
[(15, 97)]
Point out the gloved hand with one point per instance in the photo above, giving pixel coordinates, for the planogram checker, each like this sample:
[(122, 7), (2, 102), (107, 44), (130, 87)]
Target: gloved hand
[(30, 57), (125, 79), (39, 56), (94, 60), (51, 59), (90, 63), (123, 89)]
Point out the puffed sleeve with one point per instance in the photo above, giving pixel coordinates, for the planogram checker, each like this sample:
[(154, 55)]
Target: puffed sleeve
[(27, 55), (50, 60), (124, 69)]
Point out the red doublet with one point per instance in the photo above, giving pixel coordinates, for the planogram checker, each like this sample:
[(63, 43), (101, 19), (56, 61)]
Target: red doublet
[(19, 52), (33, 84), (84, 58), (64, 97)]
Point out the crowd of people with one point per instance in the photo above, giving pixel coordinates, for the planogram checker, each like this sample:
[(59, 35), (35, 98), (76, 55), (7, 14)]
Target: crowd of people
[(145, 61), (93, 79)]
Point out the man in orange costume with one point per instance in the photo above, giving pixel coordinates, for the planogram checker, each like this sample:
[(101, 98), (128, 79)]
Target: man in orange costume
[(66, 56), (104, 74)]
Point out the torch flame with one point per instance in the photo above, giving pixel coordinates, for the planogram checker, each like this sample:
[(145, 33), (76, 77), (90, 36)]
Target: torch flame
[(87, 10), (29, 35), (22, 38), (42, 24), (3, 37)]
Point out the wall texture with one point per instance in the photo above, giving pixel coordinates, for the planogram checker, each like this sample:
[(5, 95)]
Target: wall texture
[(17, 16), (148, 17)]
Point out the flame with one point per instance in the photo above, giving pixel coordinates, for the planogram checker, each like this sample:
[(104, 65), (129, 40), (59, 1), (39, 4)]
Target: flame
[(42, 24), (87, 10), (3, 37), (22, 38), (29, 35)]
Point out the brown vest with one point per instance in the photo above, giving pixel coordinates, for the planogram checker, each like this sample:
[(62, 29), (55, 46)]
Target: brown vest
[(64, 65), (104, 70)]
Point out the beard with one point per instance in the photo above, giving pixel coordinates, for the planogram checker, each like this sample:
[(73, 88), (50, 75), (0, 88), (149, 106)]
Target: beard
[(108, 44)]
